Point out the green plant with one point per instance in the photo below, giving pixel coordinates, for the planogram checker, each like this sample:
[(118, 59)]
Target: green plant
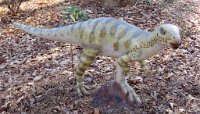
[(148, 2), (75, 13)]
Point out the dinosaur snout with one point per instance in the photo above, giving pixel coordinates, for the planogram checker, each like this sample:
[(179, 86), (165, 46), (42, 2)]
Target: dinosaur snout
[(175, 45)]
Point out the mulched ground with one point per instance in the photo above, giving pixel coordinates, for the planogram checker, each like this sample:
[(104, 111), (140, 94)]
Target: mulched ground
[(36, 74)]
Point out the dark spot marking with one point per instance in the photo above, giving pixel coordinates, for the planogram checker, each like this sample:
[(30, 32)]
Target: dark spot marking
[(91, 37), (116, 46), (61, 34), (113, 28), (162, 31), (123, 33), (127, 43), (82, 33), (103, 32)]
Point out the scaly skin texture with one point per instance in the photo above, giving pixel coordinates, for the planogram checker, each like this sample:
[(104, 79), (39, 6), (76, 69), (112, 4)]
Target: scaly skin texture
[(114, 38)]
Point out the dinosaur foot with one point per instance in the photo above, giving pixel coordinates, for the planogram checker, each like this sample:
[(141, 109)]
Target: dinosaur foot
[(130, 92), (81, 89)]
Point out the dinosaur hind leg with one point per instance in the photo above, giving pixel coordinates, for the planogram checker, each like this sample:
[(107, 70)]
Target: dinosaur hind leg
[(86, 60), (122, 71)]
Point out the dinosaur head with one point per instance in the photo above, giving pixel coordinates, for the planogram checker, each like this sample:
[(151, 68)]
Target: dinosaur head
[(169, 34)]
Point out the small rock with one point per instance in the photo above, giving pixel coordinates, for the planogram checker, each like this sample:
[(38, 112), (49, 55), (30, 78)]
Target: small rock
[(112, 94), (99, 61), (65, 62), (37, 78), (89, 80), (76, 102), (171, 105), (48, 69), (139, 79), (66, 72)]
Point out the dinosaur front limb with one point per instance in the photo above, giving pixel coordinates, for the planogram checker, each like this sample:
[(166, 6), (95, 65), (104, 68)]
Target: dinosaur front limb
[(122, 72), (144, 67), (86, 60)]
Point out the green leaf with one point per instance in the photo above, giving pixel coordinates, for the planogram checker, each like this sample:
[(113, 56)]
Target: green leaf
[(75, 13), (73, 18)]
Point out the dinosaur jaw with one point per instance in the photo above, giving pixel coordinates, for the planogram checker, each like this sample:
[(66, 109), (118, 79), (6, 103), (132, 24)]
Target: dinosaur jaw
[(175, 45)]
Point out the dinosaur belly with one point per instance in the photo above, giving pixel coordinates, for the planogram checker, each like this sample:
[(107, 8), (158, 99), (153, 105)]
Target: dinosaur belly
[(109, 51)]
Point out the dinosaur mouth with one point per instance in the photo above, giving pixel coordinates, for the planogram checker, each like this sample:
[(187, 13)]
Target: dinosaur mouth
[(175, 45)]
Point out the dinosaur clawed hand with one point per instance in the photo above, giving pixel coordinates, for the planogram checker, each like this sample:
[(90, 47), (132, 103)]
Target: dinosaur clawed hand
[(130, 92), (146, 69), (81, 89)]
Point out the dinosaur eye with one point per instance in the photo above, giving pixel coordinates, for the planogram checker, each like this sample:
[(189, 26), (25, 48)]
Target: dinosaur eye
[(162, 31)]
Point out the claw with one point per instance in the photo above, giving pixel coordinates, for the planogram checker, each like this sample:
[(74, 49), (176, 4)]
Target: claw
[(81, 89), (84, 91), (86, 87), (79, 92), (130, 92), (145, 67)]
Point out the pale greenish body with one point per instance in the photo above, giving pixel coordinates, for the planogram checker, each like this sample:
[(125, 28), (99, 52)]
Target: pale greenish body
[(111, 37)]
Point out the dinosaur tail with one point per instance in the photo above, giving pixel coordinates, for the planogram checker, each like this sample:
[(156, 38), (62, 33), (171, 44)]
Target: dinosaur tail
[(56, 34)]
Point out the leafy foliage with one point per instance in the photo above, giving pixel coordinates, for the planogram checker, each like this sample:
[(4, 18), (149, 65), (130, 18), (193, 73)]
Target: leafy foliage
[(147, 2), (75, 13)]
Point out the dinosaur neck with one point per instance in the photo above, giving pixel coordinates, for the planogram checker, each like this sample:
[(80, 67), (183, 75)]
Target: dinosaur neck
[(152, 45)]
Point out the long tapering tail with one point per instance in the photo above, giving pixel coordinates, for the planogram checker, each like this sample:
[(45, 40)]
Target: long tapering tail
[(56, 34)]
